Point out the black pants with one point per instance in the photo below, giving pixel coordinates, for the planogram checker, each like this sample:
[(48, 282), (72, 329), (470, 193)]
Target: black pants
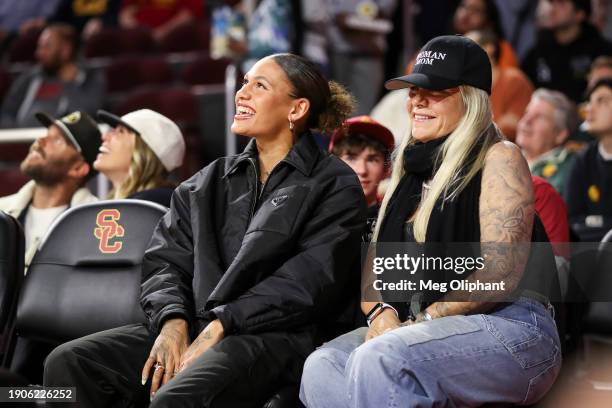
[(240, 371)]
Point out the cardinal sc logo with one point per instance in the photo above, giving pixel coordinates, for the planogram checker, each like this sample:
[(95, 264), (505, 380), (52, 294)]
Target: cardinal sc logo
[(108, 231)]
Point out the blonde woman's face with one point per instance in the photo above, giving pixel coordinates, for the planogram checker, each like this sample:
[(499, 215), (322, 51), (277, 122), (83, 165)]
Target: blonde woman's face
[(116, 153), (434, 114)]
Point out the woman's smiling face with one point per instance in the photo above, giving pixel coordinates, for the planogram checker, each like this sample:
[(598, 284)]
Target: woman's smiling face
[(434, 114), (264, 101)]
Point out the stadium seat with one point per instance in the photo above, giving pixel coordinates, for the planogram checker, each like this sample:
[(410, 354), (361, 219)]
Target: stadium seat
[(12, 249), (86, 275), (125, 74), (186, 37), (176, 103), (111, 42), (205, 71), (5, 82), (14, 152), (599, 317), (23, 48), (12, 180)]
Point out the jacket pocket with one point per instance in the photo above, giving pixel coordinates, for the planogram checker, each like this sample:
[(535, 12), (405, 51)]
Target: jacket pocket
[(280, 210)]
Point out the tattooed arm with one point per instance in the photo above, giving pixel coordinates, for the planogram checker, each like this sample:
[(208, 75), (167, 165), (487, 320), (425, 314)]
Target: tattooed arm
[(506, 220)]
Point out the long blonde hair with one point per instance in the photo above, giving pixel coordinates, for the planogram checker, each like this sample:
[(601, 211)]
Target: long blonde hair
[(146, 172), (450, 178)]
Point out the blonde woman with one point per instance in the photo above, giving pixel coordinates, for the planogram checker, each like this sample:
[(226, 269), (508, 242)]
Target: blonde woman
[(138, 153), (455, 179)]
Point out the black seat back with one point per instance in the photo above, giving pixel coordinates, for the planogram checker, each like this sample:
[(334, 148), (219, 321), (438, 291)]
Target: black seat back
[(86, 274), (599, 317), (12, 250)]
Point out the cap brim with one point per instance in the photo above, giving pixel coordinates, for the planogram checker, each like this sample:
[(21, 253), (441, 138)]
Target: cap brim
[(113, 120), (372, 130), (429, 81), (47, 120)]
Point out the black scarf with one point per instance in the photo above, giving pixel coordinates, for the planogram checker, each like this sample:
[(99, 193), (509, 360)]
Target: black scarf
[(456, 221)]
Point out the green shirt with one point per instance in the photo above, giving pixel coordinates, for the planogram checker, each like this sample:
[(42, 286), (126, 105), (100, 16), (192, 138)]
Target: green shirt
[(554, 166)]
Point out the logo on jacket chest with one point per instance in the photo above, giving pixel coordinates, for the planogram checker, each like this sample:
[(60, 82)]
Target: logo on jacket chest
[(276, 201)]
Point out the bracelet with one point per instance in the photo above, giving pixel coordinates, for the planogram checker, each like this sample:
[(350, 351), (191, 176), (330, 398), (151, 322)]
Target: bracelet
[(378, 309), (427, 316)]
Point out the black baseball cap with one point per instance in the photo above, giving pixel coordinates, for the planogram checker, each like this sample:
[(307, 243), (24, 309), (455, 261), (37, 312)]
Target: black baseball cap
[(447, 62), (80, 129)]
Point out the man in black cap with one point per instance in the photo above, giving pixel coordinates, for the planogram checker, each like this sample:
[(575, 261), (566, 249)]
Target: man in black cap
[(59, 163), (567, 44)]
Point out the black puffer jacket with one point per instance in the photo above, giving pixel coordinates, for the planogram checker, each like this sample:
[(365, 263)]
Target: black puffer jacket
[(282, 262)]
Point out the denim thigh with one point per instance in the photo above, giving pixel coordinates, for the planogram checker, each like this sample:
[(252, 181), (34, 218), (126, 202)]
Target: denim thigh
[(509, 356)]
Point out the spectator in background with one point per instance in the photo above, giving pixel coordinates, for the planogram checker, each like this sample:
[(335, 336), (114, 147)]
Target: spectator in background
[(138, 154), (552, 210), (16, 16), (357, 46), (511, 89), (550, 118), (517, 18), (315, 20), (366, 146), (566, 47), (480, 15), (56, 85), (589, 190), (271, 29), (87, 17), (600, 68), (59, 164), (161, 16)]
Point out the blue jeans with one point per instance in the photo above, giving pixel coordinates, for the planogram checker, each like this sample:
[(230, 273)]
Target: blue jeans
[(509, 356)]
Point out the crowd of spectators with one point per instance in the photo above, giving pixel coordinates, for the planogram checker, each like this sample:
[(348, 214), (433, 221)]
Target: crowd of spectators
[(557, 47)]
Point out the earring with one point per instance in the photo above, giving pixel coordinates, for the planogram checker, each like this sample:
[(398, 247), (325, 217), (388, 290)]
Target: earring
[(291, 126)]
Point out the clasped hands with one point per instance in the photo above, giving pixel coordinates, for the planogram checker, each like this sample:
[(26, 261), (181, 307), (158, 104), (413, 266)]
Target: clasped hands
[(386, 321), (171, 353)]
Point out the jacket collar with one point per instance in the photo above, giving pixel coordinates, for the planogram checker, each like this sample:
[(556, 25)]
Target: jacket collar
[(303, 155), (16, 203)]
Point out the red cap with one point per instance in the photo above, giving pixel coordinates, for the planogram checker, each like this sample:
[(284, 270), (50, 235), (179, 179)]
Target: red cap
[(364, 125)]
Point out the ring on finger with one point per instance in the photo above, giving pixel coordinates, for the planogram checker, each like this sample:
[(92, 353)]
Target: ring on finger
[(159, 366)]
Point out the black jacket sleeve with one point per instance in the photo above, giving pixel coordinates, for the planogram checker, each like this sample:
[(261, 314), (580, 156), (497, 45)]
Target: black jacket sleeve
[(168, 265), (306, 285)]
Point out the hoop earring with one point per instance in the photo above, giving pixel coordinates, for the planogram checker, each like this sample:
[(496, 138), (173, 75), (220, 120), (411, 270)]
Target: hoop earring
[(291, 126)]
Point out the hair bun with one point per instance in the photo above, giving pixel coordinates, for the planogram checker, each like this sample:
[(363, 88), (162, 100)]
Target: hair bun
[(340, 106)]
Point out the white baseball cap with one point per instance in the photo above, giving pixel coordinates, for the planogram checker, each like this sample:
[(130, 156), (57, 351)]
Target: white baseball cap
[(161, 134)]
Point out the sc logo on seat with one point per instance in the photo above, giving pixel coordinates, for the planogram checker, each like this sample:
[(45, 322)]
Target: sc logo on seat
[(108, 230)]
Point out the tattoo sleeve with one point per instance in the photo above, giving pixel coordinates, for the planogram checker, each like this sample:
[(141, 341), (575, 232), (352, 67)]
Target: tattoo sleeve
[(506, 220)]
